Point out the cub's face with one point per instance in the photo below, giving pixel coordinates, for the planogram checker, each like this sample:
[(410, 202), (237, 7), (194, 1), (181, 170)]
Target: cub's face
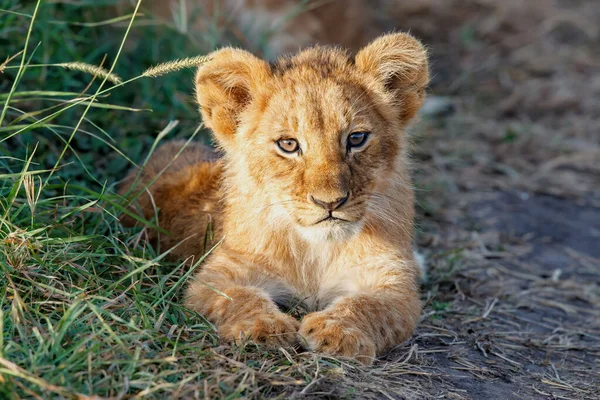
[(320, 151), (317, 135)]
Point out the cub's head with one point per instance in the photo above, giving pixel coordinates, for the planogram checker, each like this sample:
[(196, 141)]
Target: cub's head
[(319, 136)]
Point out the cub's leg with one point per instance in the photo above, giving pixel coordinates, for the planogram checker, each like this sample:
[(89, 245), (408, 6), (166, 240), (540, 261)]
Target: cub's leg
[(237, 298), (364, 325), (179, 188)]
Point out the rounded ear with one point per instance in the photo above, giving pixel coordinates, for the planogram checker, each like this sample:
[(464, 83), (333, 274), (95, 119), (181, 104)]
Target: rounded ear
[(225, 85), (399, 62)]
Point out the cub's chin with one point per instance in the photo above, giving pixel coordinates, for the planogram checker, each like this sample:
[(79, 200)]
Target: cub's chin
[(330, 230)]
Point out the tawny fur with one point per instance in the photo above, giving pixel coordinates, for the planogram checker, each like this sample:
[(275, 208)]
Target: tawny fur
[(184, 197), (358, 279)]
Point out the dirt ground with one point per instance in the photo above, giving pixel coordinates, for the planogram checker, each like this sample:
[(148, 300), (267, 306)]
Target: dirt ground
[(520, 317), (509, 193)]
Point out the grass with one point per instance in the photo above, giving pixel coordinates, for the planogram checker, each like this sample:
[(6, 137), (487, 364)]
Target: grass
[(90, 310)]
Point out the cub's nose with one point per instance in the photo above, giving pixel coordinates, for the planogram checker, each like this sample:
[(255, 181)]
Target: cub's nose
[(330, 205)]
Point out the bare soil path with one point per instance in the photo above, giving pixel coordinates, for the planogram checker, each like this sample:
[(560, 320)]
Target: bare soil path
[(520, 318)]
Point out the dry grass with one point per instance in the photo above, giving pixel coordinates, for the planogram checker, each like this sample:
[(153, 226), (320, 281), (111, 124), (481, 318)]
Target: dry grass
[(175, 65)]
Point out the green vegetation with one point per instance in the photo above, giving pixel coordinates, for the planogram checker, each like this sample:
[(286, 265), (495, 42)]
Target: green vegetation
[(87, 308)]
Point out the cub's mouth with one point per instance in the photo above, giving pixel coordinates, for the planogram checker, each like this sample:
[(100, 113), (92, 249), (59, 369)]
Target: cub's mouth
[(331, 219)]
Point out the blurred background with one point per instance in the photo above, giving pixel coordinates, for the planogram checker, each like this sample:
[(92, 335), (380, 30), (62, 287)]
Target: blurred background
[(521, 77), (506, 164)]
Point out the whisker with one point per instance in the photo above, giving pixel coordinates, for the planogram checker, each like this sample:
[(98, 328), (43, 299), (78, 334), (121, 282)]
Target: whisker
[(277, 203)]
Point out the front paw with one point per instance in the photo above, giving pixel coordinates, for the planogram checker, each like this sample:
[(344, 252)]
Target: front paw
[(327, 333), (271, 328)]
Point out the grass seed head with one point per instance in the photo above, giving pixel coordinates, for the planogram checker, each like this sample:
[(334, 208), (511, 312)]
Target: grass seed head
[(175, 65), (93, 70)]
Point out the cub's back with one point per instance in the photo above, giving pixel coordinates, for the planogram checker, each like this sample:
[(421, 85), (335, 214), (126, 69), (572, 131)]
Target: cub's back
[(185, 181)]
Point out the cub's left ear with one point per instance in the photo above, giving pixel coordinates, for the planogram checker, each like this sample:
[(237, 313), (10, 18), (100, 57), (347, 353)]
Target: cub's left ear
[(399, 62)]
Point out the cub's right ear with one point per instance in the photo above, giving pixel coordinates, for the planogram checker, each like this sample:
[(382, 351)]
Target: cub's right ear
[(225, 85), (399, 62)]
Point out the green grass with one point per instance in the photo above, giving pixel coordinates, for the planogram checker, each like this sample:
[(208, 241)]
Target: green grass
[(86, 307)]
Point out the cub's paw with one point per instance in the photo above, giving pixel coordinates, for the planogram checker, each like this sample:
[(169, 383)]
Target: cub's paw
[(268, 328), (327, 333)]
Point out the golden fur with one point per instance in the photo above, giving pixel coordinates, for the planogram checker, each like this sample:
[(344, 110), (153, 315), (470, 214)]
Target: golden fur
[(356, 275)]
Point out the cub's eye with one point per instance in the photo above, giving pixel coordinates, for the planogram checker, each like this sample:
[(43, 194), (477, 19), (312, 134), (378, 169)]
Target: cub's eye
[(288, 146), (357, 139)]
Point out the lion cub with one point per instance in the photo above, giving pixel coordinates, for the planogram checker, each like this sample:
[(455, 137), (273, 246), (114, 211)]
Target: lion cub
[(312, 198)]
